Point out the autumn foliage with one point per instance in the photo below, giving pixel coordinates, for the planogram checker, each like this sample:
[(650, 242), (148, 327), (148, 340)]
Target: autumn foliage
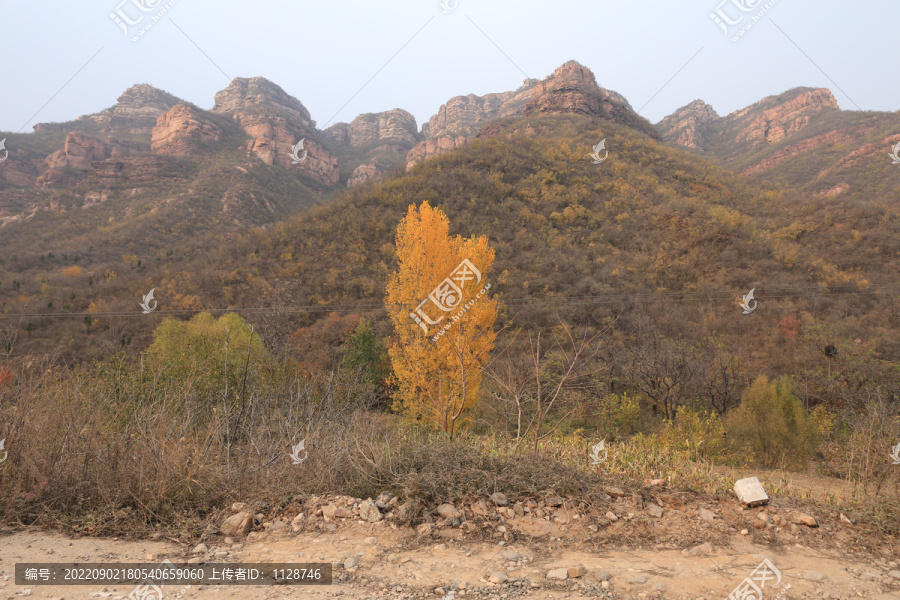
[(438, 361)]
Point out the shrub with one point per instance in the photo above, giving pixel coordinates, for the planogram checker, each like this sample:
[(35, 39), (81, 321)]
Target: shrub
[(771, 426), (698, 432)]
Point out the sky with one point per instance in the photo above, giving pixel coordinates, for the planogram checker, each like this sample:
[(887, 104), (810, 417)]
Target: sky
[(342, 58)]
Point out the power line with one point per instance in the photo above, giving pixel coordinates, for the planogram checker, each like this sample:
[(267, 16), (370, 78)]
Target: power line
[(608, 299)]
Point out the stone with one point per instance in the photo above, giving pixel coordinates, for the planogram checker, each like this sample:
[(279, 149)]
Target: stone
[(331, 511), (200, 549), (611, 516), (499, 499), (603, 575), (538, 528), (511, 555), (659, 586), (238, 524), (745, 532), (448, 511), (844, 519), (800, 519), (480, 508), (368, 511), (704, 548), (351, 562), (871, 576), (297, 522), (554, 501), (615, 492), (363, 174), (181, 132), (894, 574), (638, 579), (498, 577), (576, 572), (655, 511), (424, 529), (383, 501), (750, 492), (562, 573), (707, 515), (814, 576), (370, 541)]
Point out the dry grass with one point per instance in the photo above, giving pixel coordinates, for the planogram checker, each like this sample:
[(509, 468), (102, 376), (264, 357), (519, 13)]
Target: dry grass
[(111, 450)]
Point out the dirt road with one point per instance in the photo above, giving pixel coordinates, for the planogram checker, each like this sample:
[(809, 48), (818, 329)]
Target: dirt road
[(399, 563)]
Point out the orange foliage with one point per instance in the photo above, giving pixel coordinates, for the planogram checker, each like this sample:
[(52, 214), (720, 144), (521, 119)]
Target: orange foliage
[(438, 360)]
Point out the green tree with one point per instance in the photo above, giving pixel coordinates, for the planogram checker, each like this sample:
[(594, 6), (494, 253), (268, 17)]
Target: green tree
[(219, 359), (368, 354), (771, 426)]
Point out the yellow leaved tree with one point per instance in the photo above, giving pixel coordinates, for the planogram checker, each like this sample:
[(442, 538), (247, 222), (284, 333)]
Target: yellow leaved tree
[(443, 319)]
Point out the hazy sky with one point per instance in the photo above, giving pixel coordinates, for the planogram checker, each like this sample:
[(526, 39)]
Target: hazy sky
[(325, 52)]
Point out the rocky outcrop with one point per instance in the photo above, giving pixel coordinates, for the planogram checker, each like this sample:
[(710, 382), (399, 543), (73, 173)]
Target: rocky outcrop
[(181, 131), (132, 169), (136, 111), (275, 122), (772, 124), (368, 129), (460, 119), (78, 153), (572, 88), (687, 126), (260, 96), (364, 173)]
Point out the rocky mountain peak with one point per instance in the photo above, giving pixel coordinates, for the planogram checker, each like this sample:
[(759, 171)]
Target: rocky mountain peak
[(259, 95), (687, 125), (572, 88), (135, 111), (395, 125)]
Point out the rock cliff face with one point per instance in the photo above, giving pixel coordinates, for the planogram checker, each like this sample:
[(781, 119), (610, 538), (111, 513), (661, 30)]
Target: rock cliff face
[(363, 173), (687, 125), (275, 122), (768, 121), (800, 137), (461, 117), (79, 152), (572, 88), (764, 122), (372, 128), (136, 111), (180, 131)]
